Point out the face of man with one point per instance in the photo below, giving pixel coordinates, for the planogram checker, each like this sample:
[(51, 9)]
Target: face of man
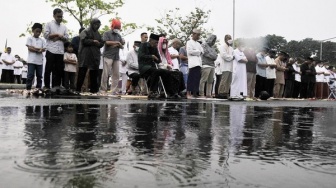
[(196, 36), (176, 45), (58, 17), (144, 38), (153, 43), (9, 50)]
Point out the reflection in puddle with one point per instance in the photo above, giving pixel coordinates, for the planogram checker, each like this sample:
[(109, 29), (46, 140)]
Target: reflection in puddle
[(167, 145)]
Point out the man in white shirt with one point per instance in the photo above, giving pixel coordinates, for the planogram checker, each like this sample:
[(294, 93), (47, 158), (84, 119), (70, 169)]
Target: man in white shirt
[(226, 53), (270, 72), (8, 60), (319, 79), (261, 67), (174, 54), (18, 65), (239, 78), (194, 52), (123, 68), (133, 67), (297, 82), (55, 34)]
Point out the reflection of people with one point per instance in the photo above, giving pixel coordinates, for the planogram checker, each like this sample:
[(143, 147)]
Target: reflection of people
[(89, 55), (86, 138), (237, 123)]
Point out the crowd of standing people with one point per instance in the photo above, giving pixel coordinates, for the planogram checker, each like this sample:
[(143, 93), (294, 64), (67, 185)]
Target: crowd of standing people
[(160, 68)]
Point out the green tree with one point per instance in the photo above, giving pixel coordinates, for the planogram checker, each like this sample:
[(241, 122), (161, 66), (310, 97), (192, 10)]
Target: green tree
[(84, 10), (175, 25), (275, 42)]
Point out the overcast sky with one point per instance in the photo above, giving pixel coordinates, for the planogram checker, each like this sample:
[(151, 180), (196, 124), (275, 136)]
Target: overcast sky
[(292, 19)]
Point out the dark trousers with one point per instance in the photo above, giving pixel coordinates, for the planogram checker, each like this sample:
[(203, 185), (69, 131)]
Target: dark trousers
[(54, 66), (135, 79), (296, 89), (270, 86), (69, 80), (93, 79), (194, 78), (260, 86), (307, 90), (289, 88), (100, 73), (7, 76), (218, 79), (32, 69), (24, 80), (17, 79)]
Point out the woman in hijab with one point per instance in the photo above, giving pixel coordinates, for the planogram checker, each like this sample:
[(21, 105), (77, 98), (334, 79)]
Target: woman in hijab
[(89, 55)]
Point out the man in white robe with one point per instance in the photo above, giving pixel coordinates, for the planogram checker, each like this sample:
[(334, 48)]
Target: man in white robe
[(239, 78)]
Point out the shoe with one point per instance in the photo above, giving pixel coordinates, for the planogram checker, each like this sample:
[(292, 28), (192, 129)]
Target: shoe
[(153, 95), (222, 96)]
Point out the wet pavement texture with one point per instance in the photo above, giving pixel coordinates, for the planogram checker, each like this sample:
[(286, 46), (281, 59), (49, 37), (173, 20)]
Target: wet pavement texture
[(101, 142)]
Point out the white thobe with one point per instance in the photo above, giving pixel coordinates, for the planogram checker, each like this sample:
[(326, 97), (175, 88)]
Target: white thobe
[(239, 79)]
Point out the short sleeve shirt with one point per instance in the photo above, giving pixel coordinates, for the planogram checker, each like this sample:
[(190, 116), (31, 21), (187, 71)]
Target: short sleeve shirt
[(35, 58), (110, 51)]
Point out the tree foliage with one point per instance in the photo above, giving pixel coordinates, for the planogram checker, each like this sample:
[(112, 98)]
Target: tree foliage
[(303, 48), (175, 25), (84, 10)]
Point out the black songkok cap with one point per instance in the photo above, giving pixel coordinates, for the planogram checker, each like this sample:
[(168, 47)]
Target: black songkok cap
[(284, 53), (37, 25), (265, 49), (154, 36), (137, 43), (309, 59)]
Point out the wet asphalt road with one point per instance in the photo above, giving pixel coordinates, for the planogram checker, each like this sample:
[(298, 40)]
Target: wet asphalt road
[(108, 142)]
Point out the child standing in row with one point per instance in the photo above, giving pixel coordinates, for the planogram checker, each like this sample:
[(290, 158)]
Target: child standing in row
[(36, 46), (70, 66)]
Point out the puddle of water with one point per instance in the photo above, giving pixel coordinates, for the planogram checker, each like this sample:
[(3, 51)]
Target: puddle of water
[(167, 145)]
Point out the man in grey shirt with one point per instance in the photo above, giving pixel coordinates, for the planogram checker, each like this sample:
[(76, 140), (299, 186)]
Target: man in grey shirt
[(113, 43), (55, 34)]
